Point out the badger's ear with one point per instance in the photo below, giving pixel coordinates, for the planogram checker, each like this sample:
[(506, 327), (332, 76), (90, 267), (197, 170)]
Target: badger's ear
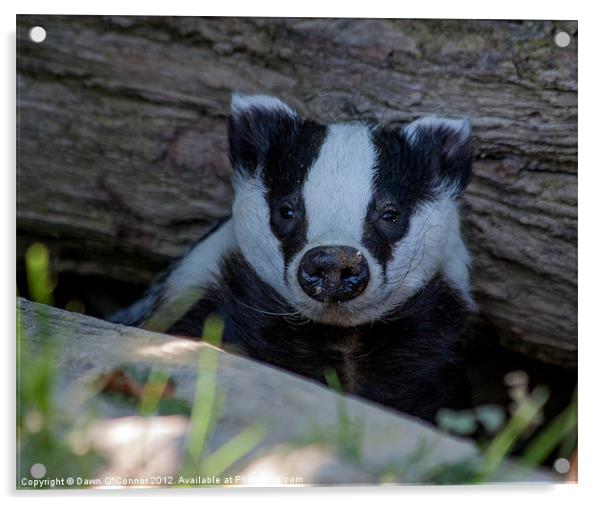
[(255, 124), (445, 145)]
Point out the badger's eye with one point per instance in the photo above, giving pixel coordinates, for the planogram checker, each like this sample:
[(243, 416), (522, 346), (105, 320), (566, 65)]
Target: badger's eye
[(287, 212), (389, 215)]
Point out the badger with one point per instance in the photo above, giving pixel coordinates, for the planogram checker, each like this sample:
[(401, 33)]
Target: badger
[(343, 252)]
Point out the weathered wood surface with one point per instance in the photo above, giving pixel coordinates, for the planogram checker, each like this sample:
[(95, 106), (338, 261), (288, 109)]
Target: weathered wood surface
[(122, 151), (290, 409)]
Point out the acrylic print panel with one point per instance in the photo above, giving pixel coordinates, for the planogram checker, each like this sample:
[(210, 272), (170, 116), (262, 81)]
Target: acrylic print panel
[(264, 251)]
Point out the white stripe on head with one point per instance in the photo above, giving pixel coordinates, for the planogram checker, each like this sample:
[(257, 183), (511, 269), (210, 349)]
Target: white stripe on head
[(337, 192), (338, 188)]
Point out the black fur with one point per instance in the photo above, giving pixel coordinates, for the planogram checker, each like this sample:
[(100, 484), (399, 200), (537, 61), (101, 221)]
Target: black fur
[(408, 174), (443, 154), (410, 362)]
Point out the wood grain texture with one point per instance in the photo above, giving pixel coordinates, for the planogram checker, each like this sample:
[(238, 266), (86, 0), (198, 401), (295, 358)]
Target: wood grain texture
[(122, 151)]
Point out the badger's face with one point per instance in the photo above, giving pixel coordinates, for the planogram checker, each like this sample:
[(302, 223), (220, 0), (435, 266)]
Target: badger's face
[(346, 222)]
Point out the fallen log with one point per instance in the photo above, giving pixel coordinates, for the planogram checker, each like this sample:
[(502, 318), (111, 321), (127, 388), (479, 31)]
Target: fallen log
[(122, 151)]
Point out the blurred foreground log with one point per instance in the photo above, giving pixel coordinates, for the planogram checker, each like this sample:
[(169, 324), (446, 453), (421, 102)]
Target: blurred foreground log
[(300, 421), (122, 152)]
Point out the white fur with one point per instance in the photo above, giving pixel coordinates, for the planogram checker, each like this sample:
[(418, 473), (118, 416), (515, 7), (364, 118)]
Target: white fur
[(241, 103), (189, 280), (338, 187), (432, 245), (457, 261), (461, 127), (202, 264), (259, 246)]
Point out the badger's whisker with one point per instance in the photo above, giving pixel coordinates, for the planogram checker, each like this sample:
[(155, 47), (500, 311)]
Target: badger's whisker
[(266, 312)]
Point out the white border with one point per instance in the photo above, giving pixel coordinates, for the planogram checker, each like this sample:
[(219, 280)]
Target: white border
[(461, 9), (590, 87)]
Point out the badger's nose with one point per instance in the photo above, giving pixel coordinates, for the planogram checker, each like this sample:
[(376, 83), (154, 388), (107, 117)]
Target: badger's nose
[(333, 273)]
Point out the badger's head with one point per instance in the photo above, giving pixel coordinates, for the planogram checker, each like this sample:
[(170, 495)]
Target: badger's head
[(347, 221)]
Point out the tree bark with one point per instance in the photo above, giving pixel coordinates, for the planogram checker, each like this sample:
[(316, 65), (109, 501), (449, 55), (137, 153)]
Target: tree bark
[(122, 158)]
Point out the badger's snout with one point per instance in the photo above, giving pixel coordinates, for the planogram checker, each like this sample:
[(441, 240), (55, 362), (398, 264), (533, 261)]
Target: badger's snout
[(333, 273)]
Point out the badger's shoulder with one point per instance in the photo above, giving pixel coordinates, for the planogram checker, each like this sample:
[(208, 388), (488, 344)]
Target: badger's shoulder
[(184, 283)]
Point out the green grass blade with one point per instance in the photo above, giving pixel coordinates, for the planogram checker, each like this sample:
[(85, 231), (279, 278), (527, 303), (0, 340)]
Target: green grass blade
[(37, 261), (204, 409), (551, 437), (233, 450), (153, 392), (502, 444)]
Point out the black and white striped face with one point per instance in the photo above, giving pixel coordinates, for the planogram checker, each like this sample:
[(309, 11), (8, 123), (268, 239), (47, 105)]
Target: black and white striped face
[(347, 221)]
